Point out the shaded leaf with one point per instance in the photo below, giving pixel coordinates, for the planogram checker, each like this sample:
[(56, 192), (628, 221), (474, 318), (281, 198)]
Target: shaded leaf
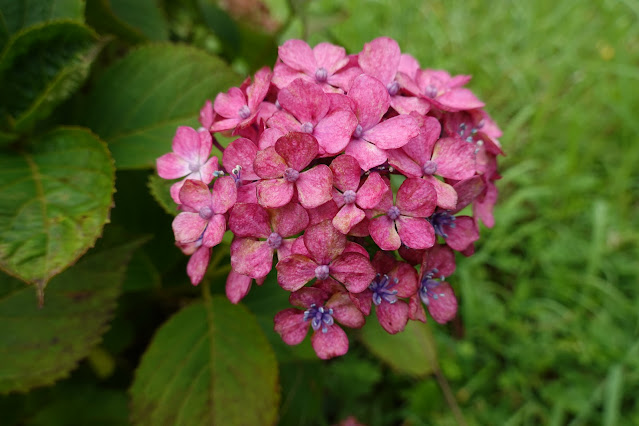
[(140, 101), (136, 21), (54, 202), (160, 189), (18, 14), (208, 364), (50, 341)]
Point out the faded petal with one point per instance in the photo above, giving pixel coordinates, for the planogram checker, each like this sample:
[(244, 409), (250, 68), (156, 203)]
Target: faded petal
[(408, 104), (295, 271), (392, 317), (347, 217), (214, 231), (408, 280), (207, 115), (416, 233), (393, 133), (314, 186), (249, 220), (289, 220), (195, 194), (256, 92), (467, 191), (439, 257), (354, 270), (326, 211), (420, 148), (416, 310), (297, 149), (384, 234), (307, 296), (187, 227), (273, 193), (416, 198), (290, 324), (237, 286), (345, 311), (330, 344), (403, 162), (324, 242), (446, 194), (346, 173), (251, 257), (458, 100)]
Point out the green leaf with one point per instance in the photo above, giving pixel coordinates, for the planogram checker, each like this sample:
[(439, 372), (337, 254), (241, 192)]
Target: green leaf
[(140, 101), (160, 189), (42, 66), (407, 352), (41, 346), (54, 202), (208, 364), (18, 14), (134, 21)]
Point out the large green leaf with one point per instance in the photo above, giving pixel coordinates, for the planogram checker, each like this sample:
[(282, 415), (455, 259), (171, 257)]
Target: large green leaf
[(18, 14), (160, 189), (40, 67), (208, 364), (54, 201), (409, 352), (40, 346), (134, 21), (139, 102)]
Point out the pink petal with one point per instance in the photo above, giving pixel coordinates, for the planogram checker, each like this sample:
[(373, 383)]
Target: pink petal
[(463, 234), (269, 137), (295, 271), (346, 173), (384, 234), (324, 242), (214, 231), (297, 149), (256, 92), (366, 154), (186, 144), (283, 75), (207, 170), (247, 193), (384, 262), (404, 163), (420, 148), (380, 59), (408, 280), (408, 65), (314, 186), (305, 297), (241, 152), (371, 192), (330, 57), (273, 193), (362, 300), (298, 247), (343, 79), (467, 191), (289, 220), (228, 104), (249, 220), (348, 216), (195, 194), (416, 198), (330, 344), (345, 311), (354, 270), (416, 309), (290, 324), (224, 194), (455, 158), (206, 143), (237, 286), (198, 264), (251, 257), (285, 250), (269, 164), (283, 122), (483, 209), (172, 166), (372, 100), (444, 307), (224, 125), (458, 100), (446, 194), (392, 317), (206, 115), (334, 131), (305, 100), (412, 256), (298, 55), (326, 211), (175, 191), (187, 227), (352, 247), (439, 257), (408, 104), (416, 233)]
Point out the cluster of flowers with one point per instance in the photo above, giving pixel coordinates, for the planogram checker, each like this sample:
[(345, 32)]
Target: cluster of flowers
[(352, 170)]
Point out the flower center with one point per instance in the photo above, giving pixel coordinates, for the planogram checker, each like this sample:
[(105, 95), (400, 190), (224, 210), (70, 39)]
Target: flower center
[(291, 175), (307, 127), (321, 272), (428, 288), (382, 289), (393, 88), (393, 213), (349, 196), (320, 317), (244, 112), (441, 220), (358, 131), (274, 240), (236, 174), (194, 167), (321, 75), (206, 212), (429, 168), (431, 91)]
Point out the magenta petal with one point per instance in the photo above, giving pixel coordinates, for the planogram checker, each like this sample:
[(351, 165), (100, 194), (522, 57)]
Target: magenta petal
[(206, 115), (214, 231), (249, 220), (269, 137), (402, 162), (408, 65), (198, 264), (228, 104), (372, 100), (371, 192), (224, 125), (442, 308), (352, 247), (346, 173), (408, 281), (463, 234), (298, 247), (334, 131), (384, 234), (380, 59), (295, 271), (269, 164), (345, 311), (206, 143), (366, 154), (330, 57), (458, 100), (175, 190), (408, 104), (348, 216), (314, 186), (273, 193), (446, 194), (256, 92), (247, 193), (416, 309), (172, 166), (326, 211), (290, 324), (289, 220), (297, 149), (417, 198), (330, 344), (420, 148), (439, 257), (186, 144), (224, 194), (362, 300), (392, 317), (393, 133), (237, 286), (251, 257), (354, 270), (467, 191), (455, 158), (195, 194), (324, 242), (208, 169), (416, 233), (298, 55), (241, 152), (305, 297), (283, 122), (305, 100), (483, 209), (187, 227)]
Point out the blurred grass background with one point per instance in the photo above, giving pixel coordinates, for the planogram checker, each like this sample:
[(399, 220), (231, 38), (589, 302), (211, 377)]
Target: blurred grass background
[(550, 302)]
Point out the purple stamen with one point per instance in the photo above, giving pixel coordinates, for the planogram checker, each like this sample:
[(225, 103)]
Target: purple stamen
[(428, 289), (431, 91), (291, 175), (322, 272), (393, 213), (194, 167), (244, 112), (393, 88), (349, 196), (358, 131), (440, 220), (381, 288), (307, 128), (274, 240), (206, 213), (320, 317), (236, 174), (429, 168), (321, 75)]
